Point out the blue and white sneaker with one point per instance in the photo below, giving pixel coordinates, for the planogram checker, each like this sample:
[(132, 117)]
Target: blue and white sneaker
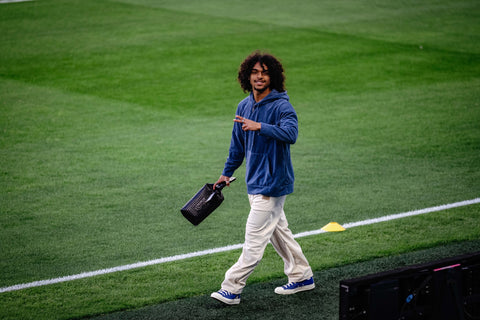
[(226, 297), (294, 287)]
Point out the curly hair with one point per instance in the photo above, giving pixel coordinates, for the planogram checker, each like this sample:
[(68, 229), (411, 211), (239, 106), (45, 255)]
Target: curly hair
[(275, 71)]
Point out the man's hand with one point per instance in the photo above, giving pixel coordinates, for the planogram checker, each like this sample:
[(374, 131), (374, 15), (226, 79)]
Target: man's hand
[(222, 179), (248, 125)]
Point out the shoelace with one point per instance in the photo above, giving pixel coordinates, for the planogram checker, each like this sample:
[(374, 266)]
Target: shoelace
[(225, 293), (289, 285)]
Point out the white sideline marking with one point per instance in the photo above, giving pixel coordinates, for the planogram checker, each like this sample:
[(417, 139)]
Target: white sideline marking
[(395, 216), (13, 1), (229, 248)]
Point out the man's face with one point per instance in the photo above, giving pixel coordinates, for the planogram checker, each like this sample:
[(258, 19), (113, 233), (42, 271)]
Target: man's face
[(259, 78)]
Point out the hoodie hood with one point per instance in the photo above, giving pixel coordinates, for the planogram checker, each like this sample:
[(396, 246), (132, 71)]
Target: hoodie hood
[(272, 96)]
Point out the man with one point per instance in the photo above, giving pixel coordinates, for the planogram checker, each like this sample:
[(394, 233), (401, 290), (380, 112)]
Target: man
[(264, 127)]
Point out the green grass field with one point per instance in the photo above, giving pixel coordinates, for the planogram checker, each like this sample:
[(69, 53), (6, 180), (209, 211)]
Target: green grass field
[(114, 113)]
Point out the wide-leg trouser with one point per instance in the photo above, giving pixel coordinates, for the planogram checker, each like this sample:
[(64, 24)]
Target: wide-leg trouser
[(267, 222)]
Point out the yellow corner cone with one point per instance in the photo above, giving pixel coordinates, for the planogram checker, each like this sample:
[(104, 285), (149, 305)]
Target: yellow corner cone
[(333, 227)]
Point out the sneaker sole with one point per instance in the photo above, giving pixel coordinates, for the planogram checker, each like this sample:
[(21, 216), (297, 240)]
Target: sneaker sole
[(280, 290), (221, 298)]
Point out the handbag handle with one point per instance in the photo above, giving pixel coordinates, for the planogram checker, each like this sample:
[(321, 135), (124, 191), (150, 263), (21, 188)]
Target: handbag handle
[(222, 184)]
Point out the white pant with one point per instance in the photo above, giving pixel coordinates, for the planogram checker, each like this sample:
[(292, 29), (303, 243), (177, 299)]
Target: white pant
[(267, 222)]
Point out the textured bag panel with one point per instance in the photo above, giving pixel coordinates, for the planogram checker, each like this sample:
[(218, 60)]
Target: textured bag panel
[(202, 204)]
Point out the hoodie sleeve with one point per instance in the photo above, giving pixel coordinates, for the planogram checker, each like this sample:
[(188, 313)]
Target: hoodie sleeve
[(285, 128), (236, 153)]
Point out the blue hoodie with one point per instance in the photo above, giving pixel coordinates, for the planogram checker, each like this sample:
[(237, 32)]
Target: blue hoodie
[(269, 169)]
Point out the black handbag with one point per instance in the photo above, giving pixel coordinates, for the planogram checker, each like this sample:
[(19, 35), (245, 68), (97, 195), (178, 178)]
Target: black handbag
[(204, 202)]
